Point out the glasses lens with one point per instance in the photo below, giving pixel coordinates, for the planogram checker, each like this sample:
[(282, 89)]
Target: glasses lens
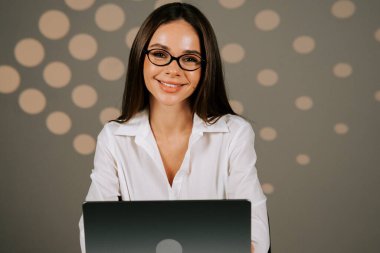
[(190, 61), (159, 57)]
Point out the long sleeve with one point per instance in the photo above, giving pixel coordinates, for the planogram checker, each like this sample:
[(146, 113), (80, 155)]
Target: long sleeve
[(243, 183), (104, 179)]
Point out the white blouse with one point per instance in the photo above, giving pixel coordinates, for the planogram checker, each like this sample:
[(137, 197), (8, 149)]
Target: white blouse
[(219, 164)]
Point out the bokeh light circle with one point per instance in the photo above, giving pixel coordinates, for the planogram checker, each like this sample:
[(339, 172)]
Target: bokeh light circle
[(131, 35), (267, 20), (341, 128), (267, 77), (54, 24), (84, 96), (267, 188), (58, 123), (268, 133), (9, 79), (303, 159), (233, 53), (231, 4), (304, 103), (109, 113), (111, 68), (342, 70), (32, 101), (237, 106), (377, 35), (343, 9), (79, 5), (84, 144), (57, 74), (83, 46), (29, 52), (304, 44), (377, 95), (109, 17)]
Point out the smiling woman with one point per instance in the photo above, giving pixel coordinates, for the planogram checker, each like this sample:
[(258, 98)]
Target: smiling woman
[(167, 80), (177, 137)]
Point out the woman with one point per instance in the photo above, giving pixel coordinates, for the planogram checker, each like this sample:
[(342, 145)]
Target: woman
[(177, 136)]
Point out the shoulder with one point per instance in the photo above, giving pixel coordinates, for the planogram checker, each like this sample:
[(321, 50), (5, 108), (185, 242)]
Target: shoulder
[(109, 130), (132, 127), (241, 137), (236, 124)]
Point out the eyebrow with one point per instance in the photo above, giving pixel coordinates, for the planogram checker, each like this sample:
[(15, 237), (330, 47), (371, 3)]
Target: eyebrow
[(167, 49)]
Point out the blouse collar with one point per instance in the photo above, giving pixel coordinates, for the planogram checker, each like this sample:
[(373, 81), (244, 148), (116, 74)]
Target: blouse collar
[(139, 125)]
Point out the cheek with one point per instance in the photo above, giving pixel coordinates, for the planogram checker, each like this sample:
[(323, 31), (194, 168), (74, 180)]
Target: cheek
[(148, 71), (194, 77)]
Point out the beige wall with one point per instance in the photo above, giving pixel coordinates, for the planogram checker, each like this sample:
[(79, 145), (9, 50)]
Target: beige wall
[(306, 73)]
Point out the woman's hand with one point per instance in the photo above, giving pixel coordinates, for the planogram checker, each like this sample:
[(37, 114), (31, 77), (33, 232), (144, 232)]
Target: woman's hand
[(252, 248)]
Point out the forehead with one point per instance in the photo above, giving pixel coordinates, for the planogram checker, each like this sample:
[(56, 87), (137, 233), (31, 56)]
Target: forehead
[(176, 35)]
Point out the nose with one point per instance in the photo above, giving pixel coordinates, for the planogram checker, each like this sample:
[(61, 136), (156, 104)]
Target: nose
[(173, 69)]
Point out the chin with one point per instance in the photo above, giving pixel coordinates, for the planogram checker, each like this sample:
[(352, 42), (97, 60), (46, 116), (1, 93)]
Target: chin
[(170, 101)]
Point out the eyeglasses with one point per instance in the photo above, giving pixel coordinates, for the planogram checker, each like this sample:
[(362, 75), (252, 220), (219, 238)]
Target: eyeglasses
[(161, 57)]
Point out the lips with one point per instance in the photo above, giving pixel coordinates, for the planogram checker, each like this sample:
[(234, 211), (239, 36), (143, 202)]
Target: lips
[(171, 84), (170, 87)]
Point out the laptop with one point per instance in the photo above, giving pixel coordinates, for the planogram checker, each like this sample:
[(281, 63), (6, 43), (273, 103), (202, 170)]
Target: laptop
[(180, 226)]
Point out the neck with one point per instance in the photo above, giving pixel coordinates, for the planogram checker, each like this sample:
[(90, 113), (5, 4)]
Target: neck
[(170, 120)]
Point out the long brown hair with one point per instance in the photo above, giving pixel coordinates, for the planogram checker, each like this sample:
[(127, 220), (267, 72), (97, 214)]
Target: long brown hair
[(209, 100)]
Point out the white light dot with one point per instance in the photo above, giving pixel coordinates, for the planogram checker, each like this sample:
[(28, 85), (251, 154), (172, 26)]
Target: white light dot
[(303, 159), (111, 68), (343, 9), (268, 133), (130, 37), (109, 113), (377, 95), (267, 188), (233, 53), (79, 5), (342, 70), (377, 35), (267, 20), (267, 77), (9, 79), (341, 128), (32, 101), (58, 123), (304, 103), (163, 2), (237, 106), (29, 52), (84, 96), (231, 4), (54, 24), (83, 46), (109, 17), (84, 144), (57, 74), (304, 44)]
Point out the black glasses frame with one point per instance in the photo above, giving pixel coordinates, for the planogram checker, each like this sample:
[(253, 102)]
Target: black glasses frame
[(203, 62)]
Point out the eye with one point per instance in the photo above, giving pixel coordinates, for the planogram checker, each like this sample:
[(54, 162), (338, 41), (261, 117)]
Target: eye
[(159, 54), (191, 59)]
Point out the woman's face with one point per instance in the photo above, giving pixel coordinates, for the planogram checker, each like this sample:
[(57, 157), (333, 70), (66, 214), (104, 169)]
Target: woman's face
[(170, 85)]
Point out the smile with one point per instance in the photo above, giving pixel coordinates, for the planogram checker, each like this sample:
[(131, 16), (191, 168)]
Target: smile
[(170, 87)]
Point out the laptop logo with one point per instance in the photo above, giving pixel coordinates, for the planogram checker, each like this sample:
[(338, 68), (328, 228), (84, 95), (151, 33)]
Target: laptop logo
[(168, 246)]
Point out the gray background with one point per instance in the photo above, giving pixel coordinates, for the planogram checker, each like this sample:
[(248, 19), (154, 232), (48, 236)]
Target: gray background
[(329, 204)]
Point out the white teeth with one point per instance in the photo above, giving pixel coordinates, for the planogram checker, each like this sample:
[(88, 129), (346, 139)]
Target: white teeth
[(170, 85)]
